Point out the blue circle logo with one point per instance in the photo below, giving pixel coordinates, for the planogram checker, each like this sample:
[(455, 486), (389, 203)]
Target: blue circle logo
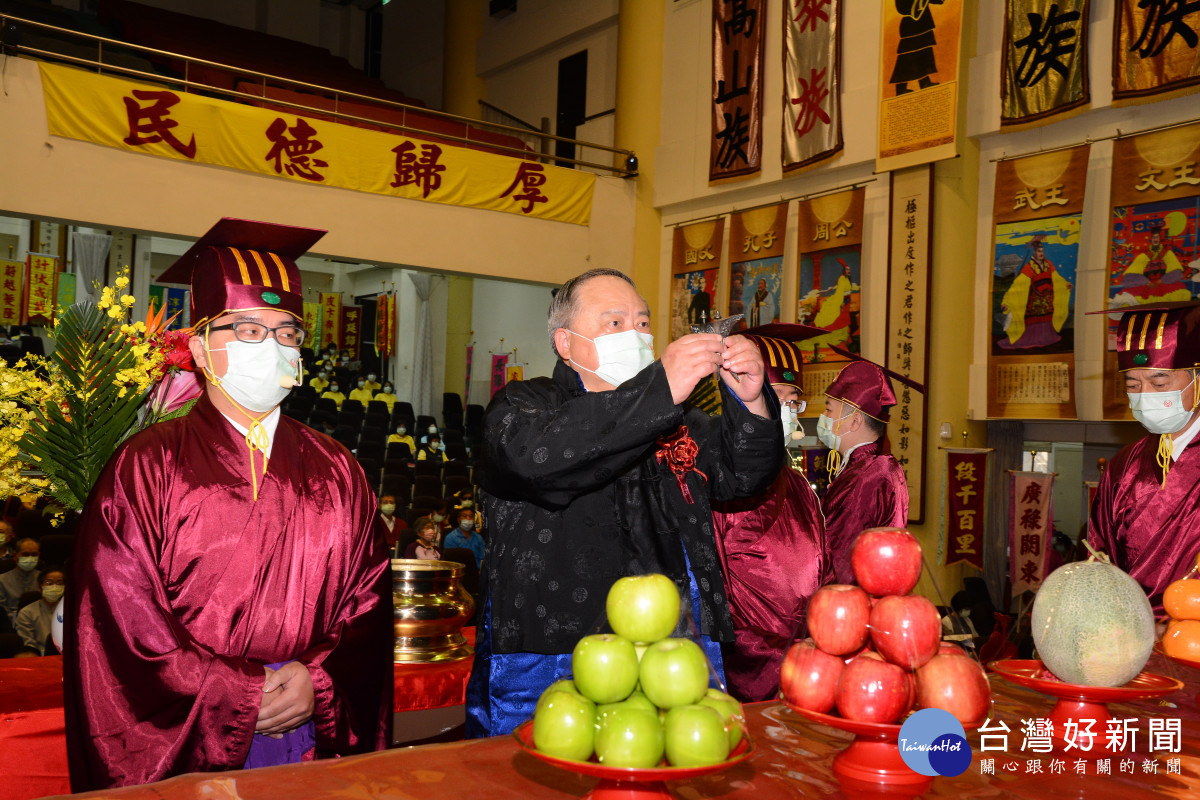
[(932, 742)]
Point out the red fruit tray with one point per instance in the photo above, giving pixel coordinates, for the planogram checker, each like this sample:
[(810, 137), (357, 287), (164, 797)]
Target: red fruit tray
[(630, 783)]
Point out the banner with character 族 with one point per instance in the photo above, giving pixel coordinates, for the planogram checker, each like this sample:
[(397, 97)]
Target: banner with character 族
[(1037, 212), (739, 47), (1045, 65), (1154, 250), (756, 264), (1156, 50), (695, 262)]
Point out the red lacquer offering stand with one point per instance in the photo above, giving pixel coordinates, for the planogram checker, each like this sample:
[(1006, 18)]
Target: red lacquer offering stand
[(628, 783), (1080, 703)]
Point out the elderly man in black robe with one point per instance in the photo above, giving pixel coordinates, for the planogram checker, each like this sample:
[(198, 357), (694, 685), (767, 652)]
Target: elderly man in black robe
[(602, 471)]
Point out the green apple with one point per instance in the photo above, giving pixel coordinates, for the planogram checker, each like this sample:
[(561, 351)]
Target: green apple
[(730, 711), (628, 736), (674, 672), (563, 685), (605, 667), (564, 726), (694, 736), (643, 608), (636, 700)]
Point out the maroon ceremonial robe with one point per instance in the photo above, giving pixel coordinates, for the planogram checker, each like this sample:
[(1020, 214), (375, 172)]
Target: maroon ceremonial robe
[(869, 492), (1151, 532), (772, 549), (183, 587)]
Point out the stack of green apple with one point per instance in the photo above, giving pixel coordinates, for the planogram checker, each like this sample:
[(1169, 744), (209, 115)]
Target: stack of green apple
[(637, 695)]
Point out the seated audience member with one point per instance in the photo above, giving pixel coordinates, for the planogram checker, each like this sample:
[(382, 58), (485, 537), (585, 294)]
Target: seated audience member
[(8, 547), (24, 578), (321, 382), (432, 430), (432, 450), (465, 498), (335, 393), (373, 384), (401, 436), (388, 396), (388, 526), (425, 546), (362, 392), (33, 621), (465, 535)]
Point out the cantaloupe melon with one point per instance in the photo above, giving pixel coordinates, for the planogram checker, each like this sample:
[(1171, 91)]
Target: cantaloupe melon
[(1092, 624)]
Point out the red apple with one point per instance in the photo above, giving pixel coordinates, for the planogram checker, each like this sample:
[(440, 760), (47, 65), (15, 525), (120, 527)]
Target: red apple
[(886, 561), (956, 684), (871, 690), (837, 618), (950, 649), (809, 676), (906, 629)]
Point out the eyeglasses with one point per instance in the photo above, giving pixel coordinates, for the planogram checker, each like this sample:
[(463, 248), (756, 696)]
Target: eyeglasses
[(255, 332), (797, 405)]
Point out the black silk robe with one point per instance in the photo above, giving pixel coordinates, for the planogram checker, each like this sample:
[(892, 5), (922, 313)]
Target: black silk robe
[(576, 496), (183, 587), (1150, 531)]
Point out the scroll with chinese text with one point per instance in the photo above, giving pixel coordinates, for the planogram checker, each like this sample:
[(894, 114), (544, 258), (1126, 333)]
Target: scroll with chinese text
[(965, 507), (499, 373), (351, 330), (149, 119), (918, 85), (331, 318), (1154, 250), (695, 262), (910, 232), (312, 324), (385, 324), (66, 290), (1156, 49), (1030, 517), (738, 49), (12, 282), (41, 289), (812, 76), (829, 250), (1044, 70), (179, 308), (756, 264), (1037, 210)]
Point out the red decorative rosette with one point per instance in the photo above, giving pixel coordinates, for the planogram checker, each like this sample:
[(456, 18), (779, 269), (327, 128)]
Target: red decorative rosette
[(679, 450)]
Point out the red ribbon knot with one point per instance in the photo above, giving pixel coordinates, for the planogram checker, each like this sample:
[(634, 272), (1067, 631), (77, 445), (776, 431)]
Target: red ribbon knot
[(679, 450)]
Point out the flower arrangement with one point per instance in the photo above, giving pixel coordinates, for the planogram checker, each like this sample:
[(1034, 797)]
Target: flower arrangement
[(62, 416)]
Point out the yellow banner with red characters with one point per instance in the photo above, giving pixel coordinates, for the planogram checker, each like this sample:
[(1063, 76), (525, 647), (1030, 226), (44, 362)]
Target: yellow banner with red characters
[(12, 278), (151, 119), (42, 291)]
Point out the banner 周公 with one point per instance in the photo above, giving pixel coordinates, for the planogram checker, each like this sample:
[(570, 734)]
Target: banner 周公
[(918, 82), (695, 261), (1030, 519), (739, 45), (812, 75), (1044, 71), (1037, 211), (150, 119)]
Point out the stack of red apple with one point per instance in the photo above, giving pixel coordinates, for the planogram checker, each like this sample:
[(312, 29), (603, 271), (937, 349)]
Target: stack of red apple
[(876, 650), (637, 694)]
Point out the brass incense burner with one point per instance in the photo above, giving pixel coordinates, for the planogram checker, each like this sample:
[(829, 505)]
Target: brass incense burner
[(430, 607)]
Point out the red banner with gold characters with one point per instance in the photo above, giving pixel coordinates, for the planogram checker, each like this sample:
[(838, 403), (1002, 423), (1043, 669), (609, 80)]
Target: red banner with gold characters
[(351, 330), (1030, 520), (739, 46), (965, 514), (41, 289), (385, 324), (12, 280), (331, 318), (1156, 49)]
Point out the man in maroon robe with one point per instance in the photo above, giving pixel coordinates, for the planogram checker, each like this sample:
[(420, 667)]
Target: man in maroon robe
[(229, 604), (772, 546), (1144, 514), (867, 488)]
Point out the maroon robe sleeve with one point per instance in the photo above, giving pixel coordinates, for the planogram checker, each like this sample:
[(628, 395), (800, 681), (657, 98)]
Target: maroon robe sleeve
[(869, 493)]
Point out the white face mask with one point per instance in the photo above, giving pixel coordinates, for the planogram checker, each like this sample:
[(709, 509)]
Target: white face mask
[(52, 594), (790, 424), (388, 508), (387, 390), (467, 524), (401, 430), (1160, 412), (825, 427), (371, 378), (620, 355), (27, 563), (257, 372)]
